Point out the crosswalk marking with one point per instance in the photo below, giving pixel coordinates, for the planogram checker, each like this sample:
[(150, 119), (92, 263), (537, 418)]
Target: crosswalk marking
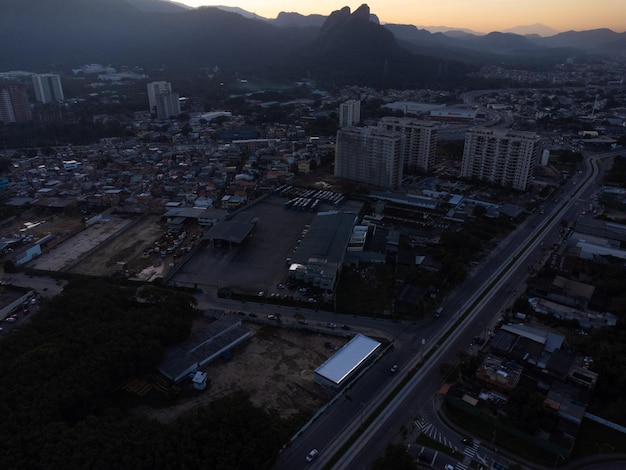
[(429, 429)]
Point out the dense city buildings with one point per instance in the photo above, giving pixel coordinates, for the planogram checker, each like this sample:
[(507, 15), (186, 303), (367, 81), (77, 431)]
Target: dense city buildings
[(500, 157), (420, 141), (349, 113), (14, 105), (48, 88), (370, 155)]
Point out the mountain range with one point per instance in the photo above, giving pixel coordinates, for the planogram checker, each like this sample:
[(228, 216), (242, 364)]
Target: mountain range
[(344, 47)]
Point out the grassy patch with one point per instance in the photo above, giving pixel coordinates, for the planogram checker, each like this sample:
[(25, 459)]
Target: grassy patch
[(594, 438), (374, 287)]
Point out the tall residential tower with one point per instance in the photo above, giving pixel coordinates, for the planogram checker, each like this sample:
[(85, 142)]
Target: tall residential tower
[(370, 155), (14, 106), (162, 100), (48, 88), (349, 113), (500, 157), (421, 140)]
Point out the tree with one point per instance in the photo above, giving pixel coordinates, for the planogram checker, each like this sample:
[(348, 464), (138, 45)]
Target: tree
[(5, 164), (396, 457), (10, 267), (479, 211), (524, 409), (62, 377)]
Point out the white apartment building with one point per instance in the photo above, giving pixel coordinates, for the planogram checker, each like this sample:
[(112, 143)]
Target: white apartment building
[(48, 88), (349, 113), (421, 140), (500, 157), (370, 155)]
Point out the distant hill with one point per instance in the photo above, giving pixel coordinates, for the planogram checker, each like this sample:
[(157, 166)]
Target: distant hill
[(533, 29), (595, 40), (296, 20), (341, 48), (240, 11), (449, 29), (159, 6), (350, 48), (68, 32)]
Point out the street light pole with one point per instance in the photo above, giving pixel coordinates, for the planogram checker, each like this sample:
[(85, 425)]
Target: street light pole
[(361, 413), (559, 456)]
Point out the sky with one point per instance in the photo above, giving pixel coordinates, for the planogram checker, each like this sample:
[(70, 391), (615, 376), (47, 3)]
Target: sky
[(478, 15)]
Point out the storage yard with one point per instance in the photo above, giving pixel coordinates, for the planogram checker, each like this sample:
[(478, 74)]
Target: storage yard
[(276, 366)]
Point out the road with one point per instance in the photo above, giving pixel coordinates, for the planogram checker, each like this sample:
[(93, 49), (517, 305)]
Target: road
[(510, 260), (350, 410)]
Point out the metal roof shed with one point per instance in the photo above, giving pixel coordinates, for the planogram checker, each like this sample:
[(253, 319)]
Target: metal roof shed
[(336, 371)]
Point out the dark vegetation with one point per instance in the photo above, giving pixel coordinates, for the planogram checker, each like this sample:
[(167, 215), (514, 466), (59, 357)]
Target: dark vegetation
[(616, 176), (62, 406), (396, 457), (607, 348)]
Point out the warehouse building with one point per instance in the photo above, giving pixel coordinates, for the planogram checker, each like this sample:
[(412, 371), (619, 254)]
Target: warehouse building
[(345, 364), (202, 347), (320, 255)]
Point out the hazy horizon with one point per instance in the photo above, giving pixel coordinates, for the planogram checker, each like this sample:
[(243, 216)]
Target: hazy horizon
[(482, 16)]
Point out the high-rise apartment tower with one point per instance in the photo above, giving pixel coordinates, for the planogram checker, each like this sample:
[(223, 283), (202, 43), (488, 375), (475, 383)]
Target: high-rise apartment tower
[(370, 155), (48, 88), (421, 140), (349, 113), (14, 106), (500, 157)]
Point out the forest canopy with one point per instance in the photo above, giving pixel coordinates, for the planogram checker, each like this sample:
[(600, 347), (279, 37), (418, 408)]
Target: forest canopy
[(61, 376)]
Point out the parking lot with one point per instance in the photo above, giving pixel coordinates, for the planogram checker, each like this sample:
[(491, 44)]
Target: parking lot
[(259, 263)]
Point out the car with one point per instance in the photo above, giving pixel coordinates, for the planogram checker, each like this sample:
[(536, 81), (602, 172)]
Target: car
[(260, 293), (331, 325), (448, 467), (394, 368), (345, 327), (467, 440), (272, 317), (312, 455), (252, 315)]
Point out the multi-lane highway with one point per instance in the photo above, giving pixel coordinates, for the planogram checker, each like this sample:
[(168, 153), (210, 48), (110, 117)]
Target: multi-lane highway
[(480, 300)]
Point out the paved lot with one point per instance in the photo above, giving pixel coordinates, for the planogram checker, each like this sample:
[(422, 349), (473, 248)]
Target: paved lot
[(256, 265), (66, 253)]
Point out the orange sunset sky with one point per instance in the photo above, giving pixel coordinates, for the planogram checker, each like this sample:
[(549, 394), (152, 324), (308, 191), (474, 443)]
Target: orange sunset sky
[(478, 15)]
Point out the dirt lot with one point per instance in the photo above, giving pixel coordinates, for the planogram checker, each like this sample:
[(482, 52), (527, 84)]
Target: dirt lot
[(276, 366), (125, 248)]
